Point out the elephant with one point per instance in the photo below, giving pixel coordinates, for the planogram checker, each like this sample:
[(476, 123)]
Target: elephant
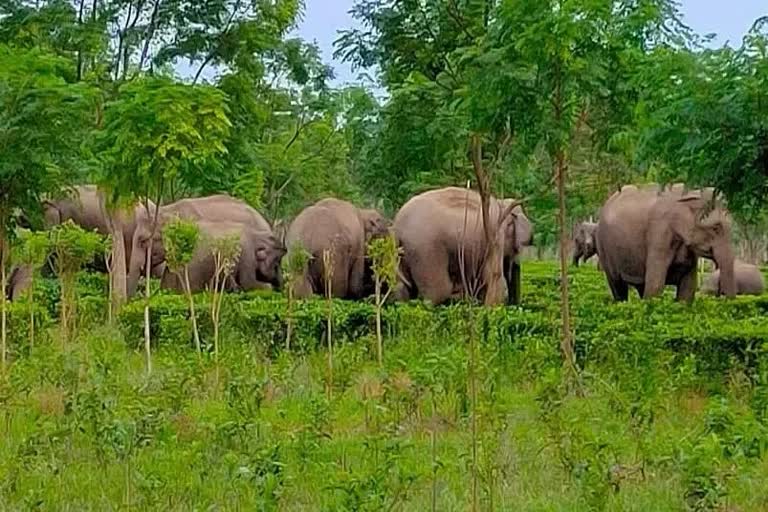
[(345, 230), (650, 237), (749, 280), (258, 266), (441, 236), (584, 244), (19, 281), (85, 207), (216, 208)]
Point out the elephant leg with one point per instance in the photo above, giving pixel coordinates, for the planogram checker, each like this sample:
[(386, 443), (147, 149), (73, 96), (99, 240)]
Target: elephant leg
[(640, 290), (340, 280), (619, 288), (405, 289), (576, 256), (514, 284), (171, 281), (246, 270), (432, 278), (686, 288), (656, 268), (356, 275)]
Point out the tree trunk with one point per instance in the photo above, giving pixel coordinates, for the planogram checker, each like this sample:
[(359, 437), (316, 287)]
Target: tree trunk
[(4, 305), (118, 275), (492, 265), (191, 299), (147, 295), (379, 340), (566, 342)]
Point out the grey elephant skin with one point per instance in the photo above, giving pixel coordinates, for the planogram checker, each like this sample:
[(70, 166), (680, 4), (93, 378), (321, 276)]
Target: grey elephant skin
[(584, 242), (344, 229), (650, 237), (749, 280), (443, 244), (257, 267), (85, 207), (216, 208), (19, 281)]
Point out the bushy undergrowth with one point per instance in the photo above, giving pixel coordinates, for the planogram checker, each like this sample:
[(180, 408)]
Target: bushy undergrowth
[(670, 412)]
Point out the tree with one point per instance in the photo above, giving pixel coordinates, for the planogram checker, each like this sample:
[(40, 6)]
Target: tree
[(42, 120), (522, 78), (181, 239), (157, 133), (705, 121), (32, 250), (385, 260), (73, 247)]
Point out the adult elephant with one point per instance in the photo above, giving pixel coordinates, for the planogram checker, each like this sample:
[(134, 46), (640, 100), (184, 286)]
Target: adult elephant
[(584, 242), (85, 206), (343, 229), (19, 281), (749, 280), (650, 237), (257, 267), (216, 208), (443, 242)]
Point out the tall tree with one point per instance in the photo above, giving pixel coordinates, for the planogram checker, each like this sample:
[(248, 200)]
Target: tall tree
[(156, 133), (42, 120)]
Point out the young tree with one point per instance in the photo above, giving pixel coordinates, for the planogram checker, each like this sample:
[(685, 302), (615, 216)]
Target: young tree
[(31, 251), (226, 253), (293, 268), (157, 133), (181, 239), (72, 248), (385, 259)]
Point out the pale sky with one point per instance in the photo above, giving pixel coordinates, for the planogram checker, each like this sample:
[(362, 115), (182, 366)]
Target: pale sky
[(729, 19)]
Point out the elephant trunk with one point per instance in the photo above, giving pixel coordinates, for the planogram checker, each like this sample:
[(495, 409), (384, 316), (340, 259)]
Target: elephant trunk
[(725, 261), (134, 272)]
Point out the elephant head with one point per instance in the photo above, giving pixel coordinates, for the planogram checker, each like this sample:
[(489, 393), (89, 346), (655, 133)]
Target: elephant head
[(585, 241), (708, 235), (375, 224), (141, 238), (269, 253)]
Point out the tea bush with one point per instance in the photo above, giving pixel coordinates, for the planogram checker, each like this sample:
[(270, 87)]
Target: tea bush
[(669, 412)]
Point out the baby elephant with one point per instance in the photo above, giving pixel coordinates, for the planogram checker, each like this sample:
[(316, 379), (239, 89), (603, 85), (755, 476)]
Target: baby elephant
[(749, 280), (584, 242)]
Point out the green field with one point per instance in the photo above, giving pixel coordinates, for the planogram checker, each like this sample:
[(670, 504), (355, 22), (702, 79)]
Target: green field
[(669, 414)]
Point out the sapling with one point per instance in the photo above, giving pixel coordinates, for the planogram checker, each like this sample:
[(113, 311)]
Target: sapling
[(181, 239), (328, 278), (293, 266), (385, 259), (226, 253), (32, 251), (73, 248)]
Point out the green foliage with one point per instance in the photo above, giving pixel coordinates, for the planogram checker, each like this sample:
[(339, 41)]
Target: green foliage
[(705, 120), (294, 263), (385, 258), (74, 247), (157, 134), (180, 239), (44, 121), (32, 248)]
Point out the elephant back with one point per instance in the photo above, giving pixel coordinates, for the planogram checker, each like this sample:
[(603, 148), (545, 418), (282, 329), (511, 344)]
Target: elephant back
[(216, 208)]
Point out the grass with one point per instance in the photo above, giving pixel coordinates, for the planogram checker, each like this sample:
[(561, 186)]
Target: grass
[(83, 428)]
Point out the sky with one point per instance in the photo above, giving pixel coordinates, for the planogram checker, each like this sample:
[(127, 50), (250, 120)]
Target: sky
[(729, 19)]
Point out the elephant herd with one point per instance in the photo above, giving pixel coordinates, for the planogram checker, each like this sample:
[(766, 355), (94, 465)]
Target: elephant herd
[(646, 238)]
